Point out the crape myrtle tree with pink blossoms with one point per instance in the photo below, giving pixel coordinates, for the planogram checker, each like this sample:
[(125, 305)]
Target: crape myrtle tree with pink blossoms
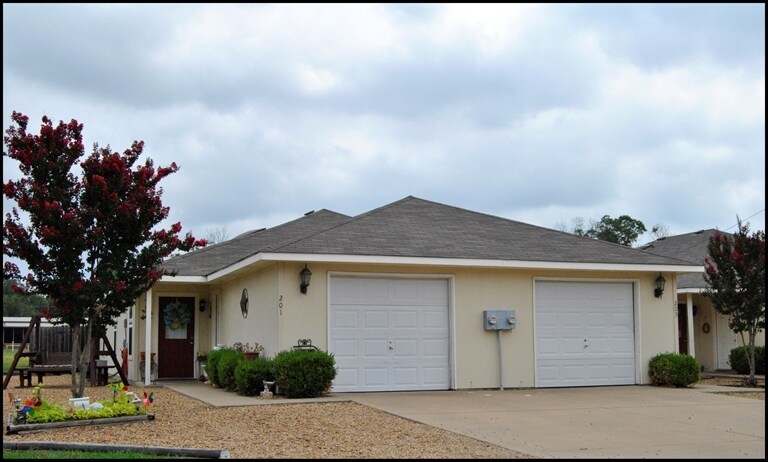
[(735, 275), (87, 229)]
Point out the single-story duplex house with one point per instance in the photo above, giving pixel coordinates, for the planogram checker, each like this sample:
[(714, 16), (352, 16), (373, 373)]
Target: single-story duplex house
[(417, 295), (697, 318)]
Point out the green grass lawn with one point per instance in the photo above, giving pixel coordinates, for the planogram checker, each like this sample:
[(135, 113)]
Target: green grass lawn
[(46, 454), (8, 359)]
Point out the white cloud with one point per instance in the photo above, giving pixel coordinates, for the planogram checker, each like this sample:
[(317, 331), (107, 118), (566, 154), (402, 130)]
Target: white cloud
[(538, 113)]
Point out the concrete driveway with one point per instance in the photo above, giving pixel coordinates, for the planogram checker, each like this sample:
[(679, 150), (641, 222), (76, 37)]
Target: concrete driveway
[(590, 422), (594, 422)]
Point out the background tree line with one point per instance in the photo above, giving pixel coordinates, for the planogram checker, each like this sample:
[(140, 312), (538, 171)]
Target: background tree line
[(21, 305), (623, 230)]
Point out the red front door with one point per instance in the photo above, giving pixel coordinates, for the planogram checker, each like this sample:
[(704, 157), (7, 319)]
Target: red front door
[(176, 341), (682, 328)]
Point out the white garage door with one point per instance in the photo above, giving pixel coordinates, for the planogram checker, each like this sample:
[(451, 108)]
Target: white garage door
[(584, 334), (389, 334)]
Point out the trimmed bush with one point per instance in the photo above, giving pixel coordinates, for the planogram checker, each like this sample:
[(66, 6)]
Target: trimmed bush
[(672, 369), (212, 366), (250, 376), (226, 369), (304, 373), (740, 364)]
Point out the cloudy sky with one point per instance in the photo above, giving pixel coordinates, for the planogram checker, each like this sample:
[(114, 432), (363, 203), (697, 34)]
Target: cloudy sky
[(537, 113)]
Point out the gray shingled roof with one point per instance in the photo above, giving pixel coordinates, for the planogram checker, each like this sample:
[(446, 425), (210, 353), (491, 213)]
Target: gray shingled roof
[(691, 247), (210, 259), (413, 227)]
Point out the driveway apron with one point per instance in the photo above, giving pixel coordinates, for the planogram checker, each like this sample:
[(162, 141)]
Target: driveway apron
[(591, 422)]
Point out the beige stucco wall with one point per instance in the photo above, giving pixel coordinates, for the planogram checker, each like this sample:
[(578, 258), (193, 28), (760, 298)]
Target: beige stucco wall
[(279, 315), (475, 351), (712, 349), (261, 323)]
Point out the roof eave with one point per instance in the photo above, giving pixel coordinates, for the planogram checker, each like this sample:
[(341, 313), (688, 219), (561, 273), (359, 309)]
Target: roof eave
[(430, 261), (477, 262)]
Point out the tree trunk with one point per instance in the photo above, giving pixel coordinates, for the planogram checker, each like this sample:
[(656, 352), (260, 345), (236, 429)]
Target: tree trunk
[(751, 358), (75, 359), (80, 357)]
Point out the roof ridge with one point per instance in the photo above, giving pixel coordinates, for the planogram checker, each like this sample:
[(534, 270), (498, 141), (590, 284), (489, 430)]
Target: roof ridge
[(307, 236), (701, 231), (684, 249), (247, 234), (464, 210), (522, 223), (352, 219)]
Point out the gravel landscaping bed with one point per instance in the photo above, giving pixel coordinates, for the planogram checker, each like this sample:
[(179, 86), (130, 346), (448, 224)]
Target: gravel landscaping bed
[(315, 430), (735, 381)]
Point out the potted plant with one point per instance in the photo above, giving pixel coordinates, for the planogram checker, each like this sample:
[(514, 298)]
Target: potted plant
[(249, 351)]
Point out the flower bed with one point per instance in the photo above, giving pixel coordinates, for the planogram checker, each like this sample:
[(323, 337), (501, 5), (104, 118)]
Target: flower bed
[(36, 414)]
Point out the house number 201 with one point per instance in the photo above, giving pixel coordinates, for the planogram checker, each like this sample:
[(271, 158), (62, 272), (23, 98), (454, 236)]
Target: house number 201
[(280, 304)]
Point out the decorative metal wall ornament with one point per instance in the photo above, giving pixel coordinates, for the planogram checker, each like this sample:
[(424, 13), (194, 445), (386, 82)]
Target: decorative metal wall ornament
[(244, 303), (304, 344)]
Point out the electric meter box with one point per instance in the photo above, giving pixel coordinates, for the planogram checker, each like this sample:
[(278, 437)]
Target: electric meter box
[(499, 319)]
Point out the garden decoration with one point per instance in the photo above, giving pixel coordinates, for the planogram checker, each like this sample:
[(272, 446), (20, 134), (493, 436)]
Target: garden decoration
[(30, 404), (117, 388)]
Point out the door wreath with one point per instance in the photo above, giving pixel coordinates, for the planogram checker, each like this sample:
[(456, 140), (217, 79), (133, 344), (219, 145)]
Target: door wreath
[(176, 315)]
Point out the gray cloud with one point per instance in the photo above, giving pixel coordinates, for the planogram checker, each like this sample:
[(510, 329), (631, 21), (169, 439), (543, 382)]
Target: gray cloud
[(537, 113)]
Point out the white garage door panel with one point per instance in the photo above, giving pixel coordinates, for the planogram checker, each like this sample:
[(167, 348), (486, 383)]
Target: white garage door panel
[(375, 376), (584, 334), (389, 334), (347, 376), (346, 348)]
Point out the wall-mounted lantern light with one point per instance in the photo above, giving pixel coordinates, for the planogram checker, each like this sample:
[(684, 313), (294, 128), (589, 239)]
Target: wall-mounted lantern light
[(305, 275), (660, 281), (203, 304)]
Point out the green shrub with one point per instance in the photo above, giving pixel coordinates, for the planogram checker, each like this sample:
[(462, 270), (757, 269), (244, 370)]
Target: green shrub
[(226, 368), (250, 376), (212, 366), (672, 369), (304, 373), (740, 363)]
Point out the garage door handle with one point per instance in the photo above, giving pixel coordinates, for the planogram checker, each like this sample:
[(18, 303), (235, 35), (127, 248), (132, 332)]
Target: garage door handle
[(585, 343), (391, 345)]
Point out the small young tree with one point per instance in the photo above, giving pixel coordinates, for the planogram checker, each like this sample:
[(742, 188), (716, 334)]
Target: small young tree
[(90, 243), (735, 275)]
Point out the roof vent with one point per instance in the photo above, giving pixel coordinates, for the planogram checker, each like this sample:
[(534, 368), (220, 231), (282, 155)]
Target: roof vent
[(699, 231), (661, 238), (309, 213)]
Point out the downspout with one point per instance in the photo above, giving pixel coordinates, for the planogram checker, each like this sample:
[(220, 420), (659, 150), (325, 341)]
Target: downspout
[(501, 362)]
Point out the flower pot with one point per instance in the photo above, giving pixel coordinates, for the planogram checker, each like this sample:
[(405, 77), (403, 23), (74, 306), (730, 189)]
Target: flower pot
[(80, 403), (249, 355)]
